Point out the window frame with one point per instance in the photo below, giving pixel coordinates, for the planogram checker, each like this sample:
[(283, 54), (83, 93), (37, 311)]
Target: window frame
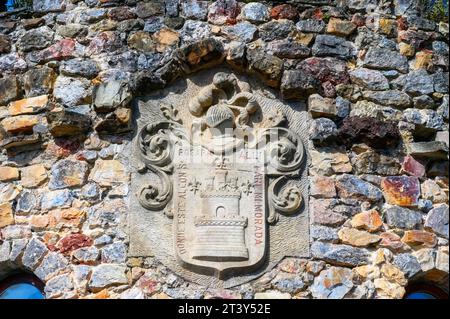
[(429, 289), (21, 278)]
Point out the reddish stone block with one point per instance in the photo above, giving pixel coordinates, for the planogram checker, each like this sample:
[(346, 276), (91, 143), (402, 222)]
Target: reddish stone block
[(401, 190), (413, 167), (284, 11), (72, 242), (61, 50)]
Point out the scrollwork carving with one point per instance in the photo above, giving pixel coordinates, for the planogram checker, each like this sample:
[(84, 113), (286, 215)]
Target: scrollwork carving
[(283, 199), (284, 149), (155, 143)]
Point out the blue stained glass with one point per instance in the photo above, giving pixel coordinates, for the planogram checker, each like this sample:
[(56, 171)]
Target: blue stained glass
[(420, 295), (21, 291)]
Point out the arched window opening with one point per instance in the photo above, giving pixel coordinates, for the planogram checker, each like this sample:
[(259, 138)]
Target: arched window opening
[(425, 291), (21, 286)]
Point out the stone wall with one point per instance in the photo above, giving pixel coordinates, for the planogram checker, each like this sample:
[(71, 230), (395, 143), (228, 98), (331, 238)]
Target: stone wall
[(374, 75)]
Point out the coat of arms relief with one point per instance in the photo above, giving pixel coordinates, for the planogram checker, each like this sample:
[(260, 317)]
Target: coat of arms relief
[(220, 167)]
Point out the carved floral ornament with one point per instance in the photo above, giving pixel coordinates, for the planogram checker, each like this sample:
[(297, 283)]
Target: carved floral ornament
[(213, 174)]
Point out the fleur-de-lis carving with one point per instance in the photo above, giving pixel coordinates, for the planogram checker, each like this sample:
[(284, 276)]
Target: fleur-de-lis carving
[(247, 187), (221, 163), (194, 185)]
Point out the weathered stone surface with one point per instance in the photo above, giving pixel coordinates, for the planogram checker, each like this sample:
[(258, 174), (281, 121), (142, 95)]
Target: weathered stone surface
[(276, 30), (72, 30), (413, 167), (328, 45), (243, 31), (112, 94), (329, 161), (33, 176), (400, 217), (340, 27), (72, 242), (416, 82), (108, 173), (107, 275), (372, 162), (51, 265), (48, 5), (79, 67), (6, 215), (8, 173), (322, 187), (408, 264), (86, 255), (385, 59), (401, 190), (142, 41), (324, 214), (223, 12), (332, 283), (368, 130), (330, 72), (115, 253), (324, 233), (419, 237), (311, 25), (388, 289), (340, 254), (426, 258), (28, 106), (295, 84), (56, 199), (287, 49), (284, 11), (165, 38), (36, 39), (266, 66), (59, 286), (8, 192), (72, 91), (148, 9), (350, 186), (62, 122), (424, 120), (255, 12), (368, 220), (194, 9), (319, 106), (9, 89), (12, 62), (20, 124), (17, 248), (63, 49), (194, 30), (369, 79), (437, 220), (434, 149), (68, 173), (442, 260), (322, 129), (357, 238), (366, 272), (430, 190), (5, 44), (33, 254)]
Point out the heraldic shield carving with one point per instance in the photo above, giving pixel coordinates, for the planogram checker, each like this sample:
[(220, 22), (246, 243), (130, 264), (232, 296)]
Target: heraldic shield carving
[(220, 168)]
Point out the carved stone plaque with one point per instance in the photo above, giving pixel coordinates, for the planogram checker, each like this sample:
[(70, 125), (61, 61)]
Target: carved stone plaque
[(219, 184)]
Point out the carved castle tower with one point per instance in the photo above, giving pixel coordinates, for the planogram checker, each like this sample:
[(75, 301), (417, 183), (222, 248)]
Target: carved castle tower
[(220, 230)]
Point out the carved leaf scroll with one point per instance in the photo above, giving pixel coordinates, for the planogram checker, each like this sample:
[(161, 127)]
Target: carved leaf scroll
[(156, 143)]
